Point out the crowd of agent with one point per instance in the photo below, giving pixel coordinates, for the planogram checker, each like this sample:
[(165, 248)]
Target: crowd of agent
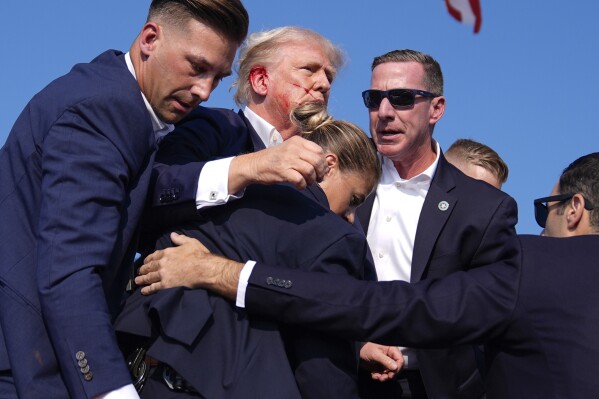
[(284, 253)]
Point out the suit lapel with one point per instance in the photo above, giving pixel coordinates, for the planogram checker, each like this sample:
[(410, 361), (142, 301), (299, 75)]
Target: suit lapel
[(364, 211), (256, 141), (438, 206)]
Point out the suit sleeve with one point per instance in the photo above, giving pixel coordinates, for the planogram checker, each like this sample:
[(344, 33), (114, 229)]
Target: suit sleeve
[(204, 136), (84, 181), (464, 307)]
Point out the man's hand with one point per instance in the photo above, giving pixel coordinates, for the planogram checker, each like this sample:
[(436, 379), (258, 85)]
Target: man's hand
[(383, 362), (297, 161), (188, 264)]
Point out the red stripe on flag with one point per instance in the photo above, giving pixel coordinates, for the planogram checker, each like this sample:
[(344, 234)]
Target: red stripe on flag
[(475, 6), (453, 12)]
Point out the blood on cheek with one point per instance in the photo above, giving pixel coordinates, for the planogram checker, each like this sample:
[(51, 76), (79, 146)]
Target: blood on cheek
[(304, 89)]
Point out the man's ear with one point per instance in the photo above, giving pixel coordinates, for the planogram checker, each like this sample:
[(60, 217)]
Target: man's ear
[(149, 36), (575, 213), (437, 109), (259, 79)]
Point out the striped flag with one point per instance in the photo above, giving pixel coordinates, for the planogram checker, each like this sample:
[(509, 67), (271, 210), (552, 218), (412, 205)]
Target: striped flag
[(466, 11)]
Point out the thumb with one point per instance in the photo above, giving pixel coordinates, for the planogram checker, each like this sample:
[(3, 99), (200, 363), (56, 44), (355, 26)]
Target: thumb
[(179, 239)]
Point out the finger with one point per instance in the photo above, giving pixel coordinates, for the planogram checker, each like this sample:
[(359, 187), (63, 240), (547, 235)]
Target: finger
[(385, 361), (150, 289), (153, 256)]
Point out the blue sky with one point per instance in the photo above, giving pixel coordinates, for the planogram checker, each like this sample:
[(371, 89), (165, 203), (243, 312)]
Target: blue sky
[(524, 85)]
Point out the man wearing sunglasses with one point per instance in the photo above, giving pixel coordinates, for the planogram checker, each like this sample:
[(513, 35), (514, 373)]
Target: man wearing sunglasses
[(426, 219)]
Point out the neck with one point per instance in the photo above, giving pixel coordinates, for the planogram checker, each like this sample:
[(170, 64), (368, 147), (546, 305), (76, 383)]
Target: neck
[(416, 163)]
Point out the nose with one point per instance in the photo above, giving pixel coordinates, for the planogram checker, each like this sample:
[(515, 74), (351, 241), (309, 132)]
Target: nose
[(202, 88), (386, 110), (350, 216), (322, 83)]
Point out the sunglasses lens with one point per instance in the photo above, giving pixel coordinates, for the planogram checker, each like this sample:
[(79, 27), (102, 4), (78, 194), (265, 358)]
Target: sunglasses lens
[(401, 98), (372, 98), (541, 214)]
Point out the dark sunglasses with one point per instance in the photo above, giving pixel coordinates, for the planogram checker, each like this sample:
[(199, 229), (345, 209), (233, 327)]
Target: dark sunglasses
[(397, 97), (542, 211)]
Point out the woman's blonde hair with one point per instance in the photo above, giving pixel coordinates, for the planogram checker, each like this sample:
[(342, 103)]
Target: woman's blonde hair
[(355, 151)]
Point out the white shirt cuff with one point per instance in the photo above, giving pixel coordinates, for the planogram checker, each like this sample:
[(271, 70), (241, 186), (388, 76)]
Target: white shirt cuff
[(213, 184), (126, 392), (244, 277)]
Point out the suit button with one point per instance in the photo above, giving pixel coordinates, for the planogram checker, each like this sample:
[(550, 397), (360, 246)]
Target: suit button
[(88, 376), (82, 362), (288, 284), (269, 280), (80, 355), (85, 370)]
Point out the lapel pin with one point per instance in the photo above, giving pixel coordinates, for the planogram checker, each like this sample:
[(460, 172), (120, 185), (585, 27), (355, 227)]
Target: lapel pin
[(443, 206)]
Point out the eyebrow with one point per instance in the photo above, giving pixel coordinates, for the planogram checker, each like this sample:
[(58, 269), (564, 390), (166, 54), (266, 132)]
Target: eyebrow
[(201, 60)]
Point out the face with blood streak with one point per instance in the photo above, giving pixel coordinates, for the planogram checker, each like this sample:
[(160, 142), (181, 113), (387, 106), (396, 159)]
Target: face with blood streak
[(300, 73)]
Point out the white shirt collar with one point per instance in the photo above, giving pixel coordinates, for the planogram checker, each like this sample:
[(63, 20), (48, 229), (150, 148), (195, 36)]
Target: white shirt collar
[(161, 129), (267, 132), (422, 180)]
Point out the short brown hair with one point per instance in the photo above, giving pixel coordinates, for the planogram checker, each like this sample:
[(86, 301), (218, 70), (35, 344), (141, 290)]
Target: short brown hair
[(433, 77), (228, 17), (476, 153)]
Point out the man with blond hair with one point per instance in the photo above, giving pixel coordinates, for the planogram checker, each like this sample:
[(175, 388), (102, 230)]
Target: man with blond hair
[(478, 161)]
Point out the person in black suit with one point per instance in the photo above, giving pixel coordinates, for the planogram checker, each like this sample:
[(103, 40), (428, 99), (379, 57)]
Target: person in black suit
[(446, 221), (537, 312), (74, 174), (214, 347)]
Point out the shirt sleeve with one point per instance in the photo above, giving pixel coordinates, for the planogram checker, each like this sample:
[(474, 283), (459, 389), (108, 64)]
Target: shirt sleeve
[(213, 184), (244, 277)]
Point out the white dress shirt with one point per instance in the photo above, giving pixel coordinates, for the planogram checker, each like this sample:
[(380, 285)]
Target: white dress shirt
[(394, 219)]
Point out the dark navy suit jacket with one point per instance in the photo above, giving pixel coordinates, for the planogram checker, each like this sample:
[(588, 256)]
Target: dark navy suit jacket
[(275, 223), (474, 230), (74, 173), (538, 314)]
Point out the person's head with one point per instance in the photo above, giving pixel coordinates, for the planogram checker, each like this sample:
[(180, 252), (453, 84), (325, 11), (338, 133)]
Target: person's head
[(572, 209), (478, 161), (354, 167), (281, 68), (402, 121), (183, 51)]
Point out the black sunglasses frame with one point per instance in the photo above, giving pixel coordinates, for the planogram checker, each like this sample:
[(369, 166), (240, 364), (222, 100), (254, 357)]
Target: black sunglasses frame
[(393, 95), (542, 211)]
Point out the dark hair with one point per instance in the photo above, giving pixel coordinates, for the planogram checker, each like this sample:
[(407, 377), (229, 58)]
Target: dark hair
[(582, 176), (228, 17), (355, 151), (473, 152), (433, 77)]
